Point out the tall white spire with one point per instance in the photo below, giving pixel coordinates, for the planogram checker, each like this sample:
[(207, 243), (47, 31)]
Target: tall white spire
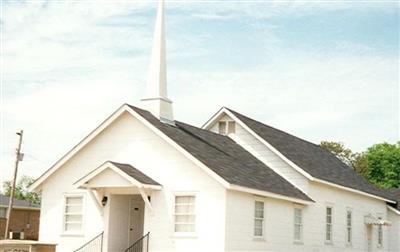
[(156, 100)]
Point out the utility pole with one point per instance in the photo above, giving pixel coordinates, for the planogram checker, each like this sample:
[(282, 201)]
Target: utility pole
[(10, 203)]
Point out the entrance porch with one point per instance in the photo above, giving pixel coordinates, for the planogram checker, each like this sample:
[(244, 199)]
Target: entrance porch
[(122, 196)]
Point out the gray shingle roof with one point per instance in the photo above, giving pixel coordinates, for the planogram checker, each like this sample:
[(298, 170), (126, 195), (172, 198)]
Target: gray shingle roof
[(135, 173), (313, 159), (395, 193), (226, 158), (4, 200)]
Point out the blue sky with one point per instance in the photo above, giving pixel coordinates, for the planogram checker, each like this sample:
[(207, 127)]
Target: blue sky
[(319, 70)]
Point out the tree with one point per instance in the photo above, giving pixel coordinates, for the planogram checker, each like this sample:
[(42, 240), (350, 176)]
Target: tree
[(341, 152), (383, 161), (380, 164), (21, 190), (355, 160)]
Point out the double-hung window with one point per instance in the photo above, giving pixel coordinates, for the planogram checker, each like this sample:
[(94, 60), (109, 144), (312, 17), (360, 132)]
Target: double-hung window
[(73, 214), (328, 227), (349, 231), (258, 219), (298, 224), (185, 216)]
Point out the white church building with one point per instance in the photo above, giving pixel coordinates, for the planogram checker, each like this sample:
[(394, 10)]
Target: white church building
[(144, 181)]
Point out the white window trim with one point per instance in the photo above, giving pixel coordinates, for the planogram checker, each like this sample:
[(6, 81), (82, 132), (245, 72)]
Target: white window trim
[(261, 237), (298, 241), (185, 234), (326, 223), (349, 210), (227, 127), (78, 233)]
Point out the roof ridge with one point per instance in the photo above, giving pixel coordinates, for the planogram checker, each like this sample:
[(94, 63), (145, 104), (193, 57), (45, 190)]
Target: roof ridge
[(203, 130), (200, 139)]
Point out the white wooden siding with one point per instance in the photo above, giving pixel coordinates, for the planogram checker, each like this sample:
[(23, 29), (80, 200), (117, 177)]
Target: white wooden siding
[(279, 222)]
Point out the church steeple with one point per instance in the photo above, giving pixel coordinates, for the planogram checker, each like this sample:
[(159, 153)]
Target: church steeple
[(156, 100)]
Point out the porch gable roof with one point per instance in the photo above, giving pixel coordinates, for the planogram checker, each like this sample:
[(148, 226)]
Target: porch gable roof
[(126, 171)]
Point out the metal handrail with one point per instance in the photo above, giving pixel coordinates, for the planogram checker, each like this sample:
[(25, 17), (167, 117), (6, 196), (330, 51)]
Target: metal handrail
[(137, 246), (91, 245)]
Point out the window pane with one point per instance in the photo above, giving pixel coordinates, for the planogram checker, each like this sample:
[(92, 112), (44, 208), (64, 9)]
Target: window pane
[(328, 211), (297, 232), (184, 199), (259, 209), (231, 127), (258, 223), (258, 227), (348, 218), (329, 219), (73, 218), (297, 216), (348, 235), (184, 228), (74, 201), (184, 209), (73, 226), (185, 218), (328, 234), (259, 205), (258, 232), (259, 214), (73, 209), (222, 127)]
